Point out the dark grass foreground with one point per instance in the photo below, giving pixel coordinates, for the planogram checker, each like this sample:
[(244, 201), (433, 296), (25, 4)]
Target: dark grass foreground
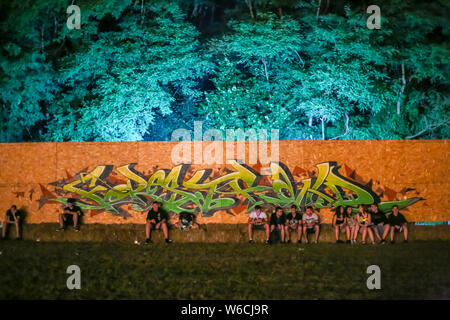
[(212, 233), (37, 270)]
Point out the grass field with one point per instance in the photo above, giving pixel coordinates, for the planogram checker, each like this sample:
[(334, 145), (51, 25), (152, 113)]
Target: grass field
[(37, 270)]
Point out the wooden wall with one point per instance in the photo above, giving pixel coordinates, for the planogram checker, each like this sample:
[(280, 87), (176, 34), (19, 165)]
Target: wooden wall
[(397, 169)]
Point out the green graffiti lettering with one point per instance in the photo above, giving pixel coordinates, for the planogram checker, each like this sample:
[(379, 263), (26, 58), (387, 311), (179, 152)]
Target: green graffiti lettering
[(204, 194)]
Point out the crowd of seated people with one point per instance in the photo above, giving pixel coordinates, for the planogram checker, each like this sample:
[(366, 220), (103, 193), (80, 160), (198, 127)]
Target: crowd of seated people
[(373, 223)]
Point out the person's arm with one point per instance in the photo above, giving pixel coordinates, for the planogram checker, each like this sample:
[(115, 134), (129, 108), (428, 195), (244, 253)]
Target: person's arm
[(358, 217), (264, 219), (304, 220), (404, 220), (250, 219), (316, 219), (287, 220), (334, 221)]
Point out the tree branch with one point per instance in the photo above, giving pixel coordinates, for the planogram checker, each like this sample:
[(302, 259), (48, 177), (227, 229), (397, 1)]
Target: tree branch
[(302, 62), (346, 128), (429, 128), (265, 69)]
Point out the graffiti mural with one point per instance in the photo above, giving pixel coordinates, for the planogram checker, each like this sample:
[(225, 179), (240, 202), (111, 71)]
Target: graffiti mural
[(109, 189)]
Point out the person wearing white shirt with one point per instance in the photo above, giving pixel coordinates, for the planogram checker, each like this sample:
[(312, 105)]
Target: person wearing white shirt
[(311, 224), (257, 220)]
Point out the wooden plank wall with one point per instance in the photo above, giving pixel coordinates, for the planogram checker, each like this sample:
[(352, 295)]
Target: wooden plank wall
[(398, 170)]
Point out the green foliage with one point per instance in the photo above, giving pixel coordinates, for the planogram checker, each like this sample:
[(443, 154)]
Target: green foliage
[(252, 79), (129, 76), (137, 70)]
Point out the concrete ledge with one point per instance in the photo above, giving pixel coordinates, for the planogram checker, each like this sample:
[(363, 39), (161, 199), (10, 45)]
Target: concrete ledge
[(211, 233)]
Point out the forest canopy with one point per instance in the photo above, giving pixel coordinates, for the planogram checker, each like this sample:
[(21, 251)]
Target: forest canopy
[(140, 69)]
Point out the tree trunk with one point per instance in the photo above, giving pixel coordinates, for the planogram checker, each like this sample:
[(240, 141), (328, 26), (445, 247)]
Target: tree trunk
[(347, 130), (318, 9), (142, 12), (213, 10), (42, 38), (402, 89), (249, 5), (265, 70), (323, 129)]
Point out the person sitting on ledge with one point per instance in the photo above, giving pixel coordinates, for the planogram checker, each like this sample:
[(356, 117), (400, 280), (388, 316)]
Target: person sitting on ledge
[(156, 220), (364, 223), (379, 223), (257, 220), (70, 214), (278, 222), (340, 224), (186, 221), (12, 216), (397, 223), (294, 223), (352, 224), (311, 224)]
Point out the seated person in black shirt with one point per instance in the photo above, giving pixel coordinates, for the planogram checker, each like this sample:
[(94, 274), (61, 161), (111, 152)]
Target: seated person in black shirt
[(156, 220), (397, 223), (186, 221), (340, 223), (70, 214), (278, 222), (294, 223), (12, 216), (379, 222)]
